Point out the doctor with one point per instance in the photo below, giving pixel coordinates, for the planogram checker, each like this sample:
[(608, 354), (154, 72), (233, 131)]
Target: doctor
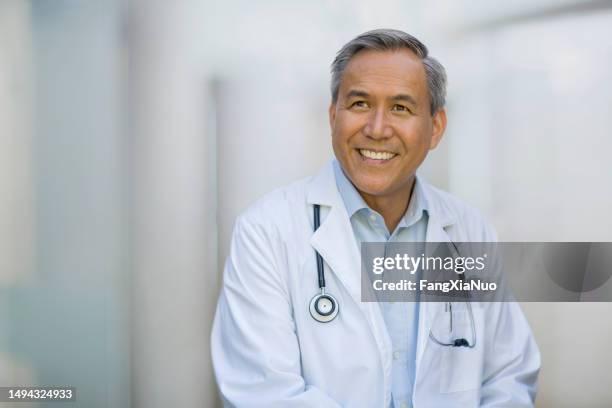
[(270, 349)]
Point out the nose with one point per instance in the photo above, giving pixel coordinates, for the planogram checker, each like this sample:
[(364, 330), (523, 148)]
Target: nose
[(377, 126)]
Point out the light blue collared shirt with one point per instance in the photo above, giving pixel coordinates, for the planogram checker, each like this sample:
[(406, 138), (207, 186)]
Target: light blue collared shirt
[(401, 318)]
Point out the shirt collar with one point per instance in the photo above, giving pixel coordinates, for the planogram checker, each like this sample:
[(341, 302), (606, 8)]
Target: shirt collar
[(355, 203)]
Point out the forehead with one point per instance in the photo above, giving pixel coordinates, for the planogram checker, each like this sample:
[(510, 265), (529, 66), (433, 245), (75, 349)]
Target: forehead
[(396, 70)]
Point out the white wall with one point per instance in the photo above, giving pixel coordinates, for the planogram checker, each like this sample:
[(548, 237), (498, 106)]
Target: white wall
[(173, 207), (16, 209)]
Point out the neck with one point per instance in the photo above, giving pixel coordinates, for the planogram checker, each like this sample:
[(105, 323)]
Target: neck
[(392, 206)]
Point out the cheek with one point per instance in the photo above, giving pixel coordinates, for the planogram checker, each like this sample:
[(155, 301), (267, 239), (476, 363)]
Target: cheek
[(346, 126), (417, 136)]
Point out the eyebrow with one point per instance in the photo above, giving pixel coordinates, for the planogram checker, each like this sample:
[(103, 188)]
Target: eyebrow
[(405, 98), (355, 93)]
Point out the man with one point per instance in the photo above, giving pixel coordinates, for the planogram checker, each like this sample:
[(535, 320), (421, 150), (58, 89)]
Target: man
[(272, 347)]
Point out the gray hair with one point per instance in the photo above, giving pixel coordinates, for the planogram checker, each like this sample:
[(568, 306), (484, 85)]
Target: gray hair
[(392, 40)]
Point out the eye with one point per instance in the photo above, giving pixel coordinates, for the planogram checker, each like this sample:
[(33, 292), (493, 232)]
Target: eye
[(400, 108), (359, 104)]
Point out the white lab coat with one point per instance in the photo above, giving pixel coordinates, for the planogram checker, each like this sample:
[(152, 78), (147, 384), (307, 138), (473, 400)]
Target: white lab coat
[(269, 352)]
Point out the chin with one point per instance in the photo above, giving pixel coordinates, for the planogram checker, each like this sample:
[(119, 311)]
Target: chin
[(372, 187)]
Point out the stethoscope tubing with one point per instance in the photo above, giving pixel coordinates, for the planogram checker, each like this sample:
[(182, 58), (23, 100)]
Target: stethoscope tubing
[(320, 268)]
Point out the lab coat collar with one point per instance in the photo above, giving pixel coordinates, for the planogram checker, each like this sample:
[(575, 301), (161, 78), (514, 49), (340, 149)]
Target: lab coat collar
[(336, 243), (323, 190)]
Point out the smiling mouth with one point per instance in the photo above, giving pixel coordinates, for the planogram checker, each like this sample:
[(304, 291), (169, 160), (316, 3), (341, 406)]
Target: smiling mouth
[(374, 155)]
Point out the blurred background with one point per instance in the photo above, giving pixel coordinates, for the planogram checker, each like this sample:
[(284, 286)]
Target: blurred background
[(133, 133)]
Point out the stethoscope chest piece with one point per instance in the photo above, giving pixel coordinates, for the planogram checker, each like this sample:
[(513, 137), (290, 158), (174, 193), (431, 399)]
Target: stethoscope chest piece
[(323, 307)]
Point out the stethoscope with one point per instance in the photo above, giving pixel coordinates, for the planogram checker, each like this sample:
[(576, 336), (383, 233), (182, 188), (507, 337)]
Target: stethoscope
[(324, 307), (448, 307), (461, 341)]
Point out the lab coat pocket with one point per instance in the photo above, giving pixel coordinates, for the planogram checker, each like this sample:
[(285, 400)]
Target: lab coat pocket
[(461, 367)]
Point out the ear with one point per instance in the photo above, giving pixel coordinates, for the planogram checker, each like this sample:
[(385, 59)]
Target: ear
[(439, 125), (332, 115)]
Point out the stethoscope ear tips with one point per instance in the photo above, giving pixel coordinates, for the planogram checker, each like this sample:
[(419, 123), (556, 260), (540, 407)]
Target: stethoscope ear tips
[(323, 308)]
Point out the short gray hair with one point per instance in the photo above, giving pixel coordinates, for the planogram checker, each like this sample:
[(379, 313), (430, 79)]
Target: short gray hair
[(392, 40)]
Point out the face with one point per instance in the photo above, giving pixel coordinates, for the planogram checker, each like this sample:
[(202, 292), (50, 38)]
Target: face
[(381, 123)]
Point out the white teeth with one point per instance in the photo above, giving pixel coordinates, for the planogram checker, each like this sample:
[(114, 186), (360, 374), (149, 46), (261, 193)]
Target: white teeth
[(370, 154)]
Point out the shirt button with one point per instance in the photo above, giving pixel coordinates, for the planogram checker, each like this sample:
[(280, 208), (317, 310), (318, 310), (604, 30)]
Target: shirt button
[(396, 355), (373, 217), (404, 405)]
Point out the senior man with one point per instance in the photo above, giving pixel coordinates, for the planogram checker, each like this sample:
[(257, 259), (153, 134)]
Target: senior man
[(290, 327)]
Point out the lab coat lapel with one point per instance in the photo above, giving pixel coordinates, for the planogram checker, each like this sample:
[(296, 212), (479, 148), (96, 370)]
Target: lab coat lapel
[(336, 243), (334, 239)]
